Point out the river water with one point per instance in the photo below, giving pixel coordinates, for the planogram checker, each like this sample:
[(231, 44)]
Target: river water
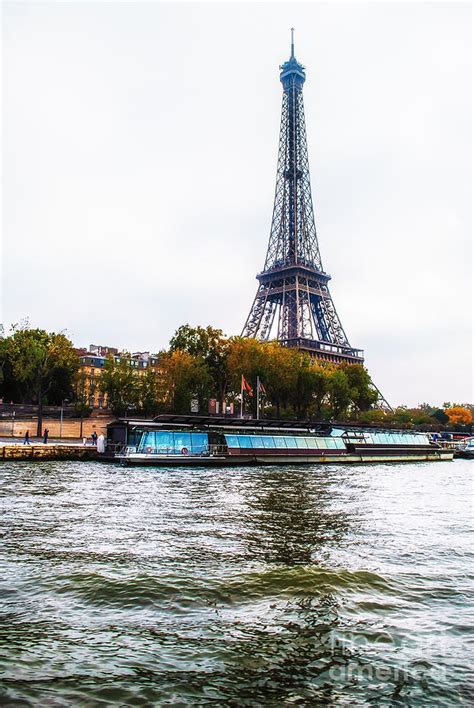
[(337, 585)]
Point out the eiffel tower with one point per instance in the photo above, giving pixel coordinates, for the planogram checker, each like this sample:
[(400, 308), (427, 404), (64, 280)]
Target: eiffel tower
[(293, 299)]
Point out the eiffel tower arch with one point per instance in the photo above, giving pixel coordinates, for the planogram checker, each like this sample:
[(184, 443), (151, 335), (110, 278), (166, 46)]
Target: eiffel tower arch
[(293, 302)]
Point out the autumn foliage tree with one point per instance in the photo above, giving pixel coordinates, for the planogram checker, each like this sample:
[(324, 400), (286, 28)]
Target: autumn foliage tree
[(458, 415)]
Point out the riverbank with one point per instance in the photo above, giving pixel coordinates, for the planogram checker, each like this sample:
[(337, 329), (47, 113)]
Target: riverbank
[(52, 451)]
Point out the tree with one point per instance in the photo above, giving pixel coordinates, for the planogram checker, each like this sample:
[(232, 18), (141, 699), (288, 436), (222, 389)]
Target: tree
[(440, 416), (374, 417), (42, 363), (185, 377), (339, 392), (363, 394), (212, 347), (119, 380), (81, 398), (277, 367), (458, 415), (310, 387), (402, 416), (148, 392)]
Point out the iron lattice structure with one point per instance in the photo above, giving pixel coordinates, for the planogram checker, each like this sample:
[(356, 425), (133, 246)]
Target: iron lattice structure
[(293, 296)]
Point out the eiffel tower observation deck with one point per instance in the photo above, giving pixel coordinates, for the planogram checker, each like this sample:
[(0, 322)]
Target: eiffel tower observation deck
[(293, 303)]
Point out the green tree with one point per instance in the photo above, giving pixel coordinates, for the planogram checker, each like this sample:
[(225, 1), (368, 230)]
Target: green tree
[(440, 416), (279, 372), (210, 345), (149, 393), (339, 392), (374, 417), (402, 416), (42, 363), (363, 394), (120, 380)]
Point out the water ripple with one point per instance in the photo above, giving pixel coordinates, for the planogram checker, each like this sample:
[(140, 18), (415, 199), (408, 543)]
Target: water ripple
[(272, 586)]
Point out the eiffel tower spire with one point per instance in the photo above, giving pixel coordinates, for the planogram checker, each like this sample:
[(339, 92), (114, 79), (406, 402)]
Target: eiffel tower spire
[(293, 300)]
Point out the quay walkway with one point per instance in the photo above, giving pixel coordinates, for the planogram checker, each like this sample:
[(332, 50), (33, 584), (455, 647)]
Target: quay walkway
[(55, 449)]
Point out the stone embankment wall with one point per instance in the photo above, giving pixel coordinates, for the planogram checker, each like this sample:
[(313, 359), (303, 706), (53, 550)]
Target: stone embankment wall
[(71, 427), (47, 452)]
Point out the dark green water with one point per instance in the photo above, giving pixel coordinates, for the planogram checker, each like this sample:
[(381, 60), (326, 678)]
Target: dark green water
[(344, 586)]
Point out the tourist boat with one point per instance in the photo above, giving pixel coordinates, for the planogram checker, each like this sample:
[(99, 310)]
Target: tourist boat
[(197, 441), (465, 449)]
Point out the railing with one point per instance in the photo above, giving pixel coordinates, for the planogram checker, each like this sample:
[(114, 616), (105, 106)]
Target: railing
[(325, 347), (118, 448)]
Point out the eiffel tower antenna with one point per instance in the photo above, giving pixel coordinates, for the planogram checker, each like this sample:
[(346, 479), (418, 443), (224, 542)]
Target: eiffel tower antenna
[(293, 302)]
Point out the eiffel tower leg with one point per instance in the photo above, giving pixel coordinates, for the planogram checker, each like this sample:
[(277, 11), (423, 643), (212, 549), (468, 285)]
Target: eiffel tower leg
[(254, 318), (381, 403), (262, 314)]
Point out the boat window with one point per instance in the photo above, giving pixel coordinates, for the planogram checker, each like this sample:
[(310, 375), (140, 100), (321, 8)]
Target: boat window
[(244, 441), (182, 440), (301, 442), (321, 443), (146, 441), (310, 442), (199, 442), (232, 440), (289, 442), (256, 441), (164, 441), (331, 443), (279, 441), (340, 444), (268, 441)]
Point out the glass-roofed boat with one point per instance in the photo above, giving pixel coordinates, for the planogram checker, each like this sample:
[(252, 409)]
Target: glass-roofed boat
[(199, 440)]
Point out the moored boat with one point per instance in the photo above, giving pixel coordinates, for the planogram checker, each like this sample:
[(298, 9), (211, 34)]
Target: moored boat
[(197, 441), (465, 449)]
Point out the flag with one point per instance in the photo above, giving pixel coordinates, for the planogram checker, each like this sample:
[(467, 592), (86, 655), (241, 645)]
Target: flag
[(246, 386), (261, 388)]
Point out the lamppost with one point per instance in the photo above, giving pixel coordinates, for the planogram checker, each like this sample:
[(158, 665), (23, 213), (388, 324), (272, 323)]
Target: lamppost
[(65, 400)]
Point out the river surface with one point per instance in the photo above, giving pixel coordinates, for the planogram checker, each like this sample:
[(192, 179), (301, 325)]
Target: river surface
[(336, 585)]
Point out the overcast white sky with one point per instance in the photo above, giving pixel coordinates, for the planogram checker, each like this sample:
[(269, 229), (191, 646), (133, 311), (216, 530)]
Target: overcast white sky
[(139, 158)]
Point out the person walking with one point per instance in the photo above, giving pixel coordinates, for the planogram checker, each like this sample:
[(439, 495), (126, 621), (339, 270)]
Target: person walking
[(26, 441), (94, 437), (45, 436)]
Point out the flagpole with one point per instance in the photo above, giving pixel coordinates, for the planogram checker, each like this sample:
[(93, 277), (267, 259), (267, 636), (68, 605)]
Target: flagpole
[(242, 396), (258, 397)]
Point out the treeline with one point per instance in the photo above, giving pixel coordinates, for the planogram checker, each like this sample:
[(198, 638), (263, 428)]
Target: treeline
[(202, 364)]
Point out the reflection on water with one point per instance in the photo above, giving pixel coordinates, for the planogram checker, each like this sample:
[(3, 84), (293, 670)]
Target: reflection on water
[(290, 518), (272, 586)]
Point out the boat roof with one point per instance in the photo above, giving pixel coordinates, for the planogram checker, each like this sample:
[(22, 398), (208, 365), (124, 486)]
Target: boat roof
[(169, 420)]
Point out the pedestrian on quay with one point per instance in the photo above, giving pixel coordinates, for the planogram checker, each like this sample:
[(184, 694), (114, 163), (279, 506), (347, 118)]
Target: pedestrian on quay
[(45, 436), (101, 444), (94, 437), (26, 441)]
